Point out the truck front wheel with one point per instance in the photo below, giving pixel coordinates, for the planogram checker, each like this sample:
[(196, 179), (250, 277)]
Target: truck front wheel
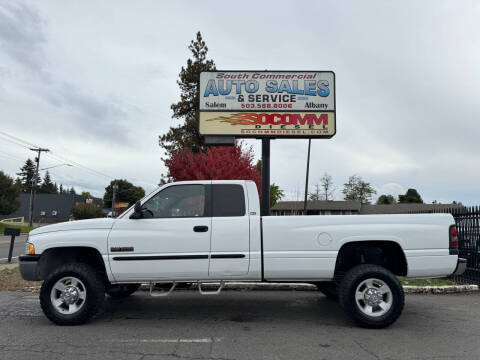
[(372, 296), (72, 294)]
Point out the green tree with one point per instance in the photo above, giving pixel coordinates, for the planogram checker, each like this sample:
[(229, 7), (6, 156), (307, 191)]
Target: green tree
[(9, 192), (276, 194), (72, 191), (386, 200), (86, 211), (126, 192), (47, 187), (60, 190), (186, 135), (357, 189), (411, 196), (26, 176)]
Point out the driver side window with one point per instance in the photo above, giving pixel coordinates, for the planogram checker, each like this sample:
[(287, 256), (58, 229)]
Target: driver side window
[(177, 201)]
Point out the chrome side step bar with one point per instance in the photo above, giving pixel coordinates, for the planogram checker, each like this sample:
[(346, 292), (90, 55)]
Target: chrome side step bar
[(156, 293), (161, 293), (214, 292)]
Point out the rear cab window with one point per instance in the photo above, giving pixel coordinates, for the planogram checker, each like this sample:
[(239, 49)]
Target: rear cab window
[(228, 200)]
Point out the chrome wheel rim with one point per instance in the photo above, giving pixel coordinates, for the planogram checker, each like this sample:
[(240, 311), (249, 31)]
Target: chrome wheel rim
[(373, 297), (68, 295)]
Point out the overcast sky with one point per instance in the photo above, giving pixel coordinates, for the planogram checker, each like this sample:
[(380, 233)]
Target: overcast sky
[(93, 82)]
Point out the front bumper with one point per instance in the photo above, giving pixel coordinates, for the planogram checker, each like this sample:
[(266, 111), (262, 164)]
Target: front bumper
[(29, 267), (461, 266)]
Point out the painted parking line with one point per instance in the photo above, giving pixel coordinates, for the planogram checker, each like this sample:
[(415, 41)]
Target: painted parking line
[(201, 340)]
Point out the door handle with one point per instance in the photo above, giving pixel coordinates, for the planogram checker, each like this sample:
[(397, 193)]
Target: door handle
[(200, 228)]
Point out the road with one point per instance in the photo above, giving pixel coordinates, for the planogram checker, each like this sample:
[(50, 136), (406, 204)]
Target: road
[(18, 249), (290, 325)]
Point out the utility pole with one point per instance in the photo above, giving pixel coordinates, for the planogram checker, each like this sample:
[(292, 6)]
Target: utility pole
[(306, 178), (34, 183), (114, 191)]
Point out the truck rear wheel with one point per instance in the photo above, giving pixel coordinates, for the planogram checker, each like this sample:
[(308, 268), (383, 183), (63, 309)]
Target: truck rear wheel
[(72, 294), (372, 296), (121, 291)]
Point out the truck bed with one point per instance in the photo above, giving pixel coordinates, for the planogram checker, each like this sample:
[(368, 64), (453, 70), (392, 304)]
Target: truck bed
[(309, 245)]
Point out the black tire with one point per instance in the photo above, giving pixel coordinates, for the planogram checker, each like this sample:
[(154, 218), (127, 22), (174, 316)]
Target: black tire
[(95, 294), (121, 291), (328, 288), (353, 279)]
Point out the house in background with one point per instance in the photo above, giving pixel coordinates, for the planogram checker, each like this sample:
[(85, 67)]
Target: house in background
[(317, 207), (50, 208), (408, 208)]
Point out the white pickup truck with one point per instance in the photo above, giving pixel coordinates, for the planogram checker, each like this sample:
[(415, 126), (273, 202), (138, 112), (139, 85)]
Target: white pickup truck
[(212, 232)]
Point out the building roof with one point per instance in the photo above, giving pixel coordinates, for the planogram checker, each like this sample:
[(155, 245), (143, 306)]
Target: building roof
[(49, 207), (317, 205), (406, 208), (355, 206)]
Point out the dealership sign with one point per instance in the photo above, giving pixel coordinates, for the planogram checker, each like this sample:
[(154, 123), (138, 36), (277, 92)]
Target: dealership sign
[(267, 103)]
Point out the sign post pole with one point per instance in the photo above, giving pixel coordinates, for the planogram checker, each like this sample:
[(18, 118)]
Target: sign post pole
[(306, 178), (265, 205)]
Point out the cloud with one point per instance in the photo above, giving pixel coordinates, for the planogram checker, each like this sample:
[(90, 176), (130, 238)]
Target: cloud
[(22, 35), (98, 85), (391, 189), (98, 117), (92, 114)]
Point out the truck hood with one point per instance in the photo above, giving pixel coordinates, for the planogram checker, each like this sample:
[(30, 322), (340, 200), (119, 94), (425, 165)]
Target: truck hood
[(103, 223)]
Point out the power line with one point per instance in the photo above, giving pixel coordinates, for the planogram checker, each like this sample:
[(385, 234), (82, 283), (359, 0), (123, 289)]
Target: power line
[(18, 139), (7, 155), (27, 147), (26, 144), (14, 142), (64, 159)]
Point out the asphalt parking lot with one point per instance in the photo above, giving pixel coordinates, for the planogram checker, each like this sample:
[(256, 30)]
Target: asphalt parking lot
[(241, 325)]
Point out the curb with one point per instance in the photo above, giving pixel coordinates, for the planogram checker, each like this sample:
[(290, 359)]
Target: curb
[(447, 289), (5, 261), (8, 266)]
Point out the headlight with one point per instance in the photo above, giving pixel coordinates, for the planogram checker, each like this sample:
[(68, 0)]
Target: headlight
[(29, 249)]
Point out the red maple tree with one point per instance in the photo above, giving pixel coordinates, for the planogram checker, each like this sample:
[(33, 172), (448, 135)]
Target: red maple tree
[(217, 163)]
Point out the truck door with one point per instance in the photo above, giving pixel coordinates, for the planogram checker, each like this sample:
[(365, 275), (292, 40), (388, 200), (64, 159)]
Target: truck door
[(170, 241), (230, 239)]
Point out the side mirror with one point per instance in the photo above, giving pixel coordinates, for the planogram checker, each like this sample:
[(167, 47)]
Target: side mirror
[(137, 211), (138, 207)]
